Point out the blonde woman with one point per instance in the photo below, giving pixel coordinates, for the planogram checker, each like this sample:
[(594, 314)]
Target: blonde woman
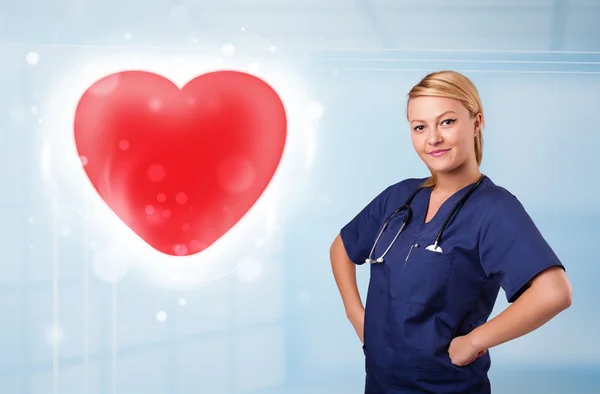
[(439, 250)]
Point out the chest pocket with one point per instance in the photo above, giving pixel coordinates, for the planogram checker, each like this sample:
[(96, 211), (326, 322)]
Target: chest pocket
[(425, 277)]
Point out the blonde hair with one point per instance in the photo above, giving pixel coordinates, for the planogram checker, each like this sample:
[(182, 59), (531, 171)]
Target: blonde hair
[(453, 85)]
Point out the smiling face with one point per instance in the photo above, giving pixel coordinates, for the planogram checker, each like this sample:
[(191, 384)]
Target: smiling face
[(443, 133)]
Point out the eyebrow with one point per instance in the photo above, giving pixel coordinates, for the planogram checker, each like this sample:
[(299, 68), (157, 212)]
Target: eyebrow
[(437, 117)]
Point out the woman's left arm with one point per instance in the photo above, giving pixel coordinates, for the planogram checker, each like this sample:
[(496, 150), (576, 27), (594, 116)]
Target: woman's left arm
[(549, 294)]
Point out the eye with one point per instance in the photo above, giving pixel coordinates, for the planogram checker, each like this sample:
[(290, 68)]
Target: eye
[(448, 122), (418, 128)]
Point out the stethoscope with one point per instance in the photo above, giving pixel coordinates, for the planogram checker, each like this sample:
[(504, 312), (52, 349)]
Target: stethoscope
[(406, 207)]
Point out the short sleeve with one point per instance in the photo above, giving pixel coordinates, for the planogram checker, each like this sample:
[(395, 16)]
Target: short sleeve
[(358, 235), (511, 248)]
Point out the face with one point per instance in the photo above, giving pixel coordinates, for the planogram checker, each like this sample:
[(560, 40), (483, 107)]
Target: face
[(443, 132)]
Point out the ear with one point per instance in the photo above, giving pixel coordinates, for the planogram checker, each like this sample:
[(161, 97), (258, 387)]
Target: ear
[(477, 124)]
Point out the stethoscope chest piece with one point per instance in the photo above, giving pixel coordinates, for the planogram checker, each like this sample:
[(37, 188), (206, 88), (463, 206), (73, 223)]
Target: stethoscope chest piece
[(435, 248)]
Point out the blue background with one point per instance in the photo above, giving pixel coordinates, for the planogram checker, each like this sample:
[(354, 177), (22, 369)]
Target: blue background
[(537, 66)]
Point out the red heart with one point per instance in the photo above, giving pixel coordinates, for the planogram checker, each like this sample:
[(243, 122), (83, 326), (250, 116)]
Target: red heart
[(180, 167)]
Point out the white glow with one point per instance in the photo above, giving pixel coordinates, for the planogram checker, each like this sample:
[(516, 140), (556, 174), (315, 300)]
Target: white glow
[(311, 146), (161, 316), (65, 230), (271, 222), (61, 164), (315, 110), (182, 302), (259, 243), (32, 58), (111, 263), (253, 67), (54, 335), (248, 270), (228, 50), (45, 161), (128, 36)]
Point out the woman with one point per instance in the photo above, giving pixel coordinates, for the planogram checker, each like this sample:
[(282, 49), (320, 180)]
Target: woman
[(425, 322)]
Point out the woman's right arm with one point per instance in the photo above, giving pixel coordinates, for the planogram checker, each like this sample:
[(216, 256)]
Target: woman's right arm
[(344, 272)]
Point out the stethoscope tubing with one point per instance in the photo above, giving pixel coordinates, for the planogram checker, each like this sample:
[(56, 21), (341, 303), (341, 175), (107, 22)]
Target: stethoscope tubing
[(406, 207)]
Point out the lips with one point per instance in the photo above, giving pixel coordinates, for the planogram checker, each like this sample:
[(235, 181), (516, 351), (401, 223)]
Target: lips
[(438, 152)]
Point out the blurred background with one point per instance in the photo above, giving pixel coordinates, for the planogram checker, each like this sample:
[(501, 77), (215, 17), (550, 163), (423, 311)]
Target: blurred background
[(83, 313)]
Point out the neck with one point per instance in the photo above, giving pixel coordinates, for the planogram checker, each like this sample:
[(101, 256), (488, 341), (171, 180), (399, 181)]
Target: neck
[(455, 180)]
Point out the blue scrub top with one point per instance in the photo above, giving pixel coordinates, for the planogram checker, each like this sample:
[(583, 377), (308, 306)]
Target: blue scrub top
[(419, 300)]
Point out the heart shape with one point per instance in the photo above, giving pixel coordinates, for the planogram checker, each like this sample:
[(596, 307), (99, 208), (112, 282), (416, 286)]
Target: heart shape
[(180, 167)]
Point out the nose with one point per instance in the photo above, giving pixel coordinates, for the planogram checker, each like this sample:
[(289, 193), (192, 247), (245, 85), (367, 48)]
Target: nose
[(435, 137)]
